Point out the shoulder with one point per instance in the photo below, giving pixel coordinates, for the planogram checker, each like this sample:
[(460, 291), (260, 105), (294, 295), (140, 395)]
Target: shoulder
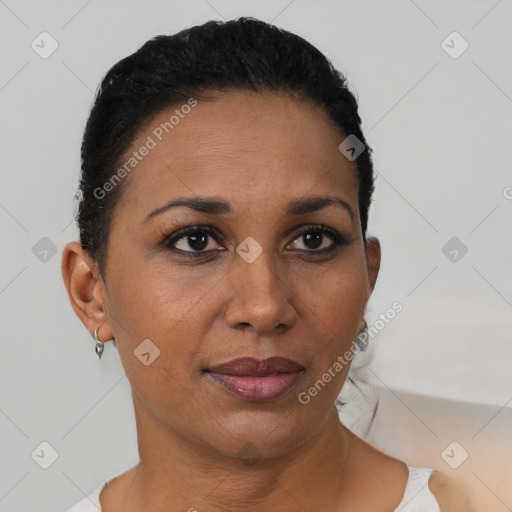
[(388, 475), (85, 505), (103, 497), (449, 493)]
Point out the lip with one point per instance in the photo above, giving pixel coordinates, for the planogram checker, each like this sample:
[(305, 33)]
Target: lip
[(256, 380), (254, 367)]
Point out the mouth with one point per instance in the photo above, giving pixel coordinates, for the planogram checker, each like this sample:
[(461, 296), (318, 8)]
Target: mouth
[(255, 380)]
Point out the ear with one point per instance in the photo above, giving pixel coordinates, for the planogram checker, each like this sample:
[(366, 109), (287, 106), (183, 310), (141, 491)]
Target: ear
[(86, 290), (372, 251), (372, 255)]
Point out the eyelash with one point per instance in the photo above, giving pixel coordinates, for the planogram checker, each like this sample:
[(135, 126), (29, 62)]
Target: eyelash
[(338, 239)]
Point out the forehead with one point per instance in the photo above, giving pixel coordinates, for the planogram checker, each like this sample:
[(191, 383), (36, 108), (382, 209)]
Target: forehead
[(242, 145)]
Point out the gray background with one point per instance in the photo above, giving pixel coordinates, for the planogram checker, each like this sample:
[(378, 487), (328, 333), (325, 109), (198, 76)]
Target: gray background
[(440, 128)]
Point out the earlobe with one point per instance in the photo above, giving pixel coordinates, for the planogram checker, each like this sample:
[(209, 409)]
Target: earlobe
[(85, 288), (373, 257)]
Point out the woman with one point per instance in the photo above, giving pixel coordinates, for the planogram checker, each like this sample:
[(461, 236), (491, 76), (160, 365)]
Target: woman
[(224, 202)]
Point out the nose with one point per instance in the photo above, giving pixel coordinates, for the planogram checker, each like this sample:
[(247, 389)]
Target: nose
[(260, 298)]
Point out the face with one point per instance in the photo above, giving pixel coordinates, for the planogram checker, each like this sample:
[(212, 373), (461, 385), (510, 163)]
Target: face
[(250, 273)]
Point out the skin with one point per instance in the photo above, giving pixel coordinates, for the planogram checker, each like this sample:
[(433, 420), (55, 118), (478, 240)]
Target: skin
[(257, 152)]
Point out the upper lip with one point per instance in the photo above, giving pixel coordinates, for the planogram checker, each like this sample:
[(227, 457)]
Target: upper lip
[(252, 366)]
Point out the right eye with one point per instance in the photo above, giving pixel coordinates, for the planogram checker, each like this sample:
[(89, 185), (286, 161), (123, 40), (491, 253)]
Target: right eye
[(193, 241)]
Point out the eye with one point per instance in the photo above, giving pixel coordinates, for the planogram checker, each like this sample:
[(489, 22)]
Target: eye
[(201, 240), (314, 236), (195, 240)]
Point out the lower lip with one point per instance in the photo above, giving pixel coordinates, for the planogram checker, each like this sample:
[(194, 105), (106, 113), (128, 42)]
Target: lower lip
[(257, 389)]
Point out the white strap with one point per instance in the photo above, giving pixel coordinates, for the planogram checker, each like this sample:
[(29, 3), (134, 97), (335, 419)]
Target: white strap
[(417, 496)]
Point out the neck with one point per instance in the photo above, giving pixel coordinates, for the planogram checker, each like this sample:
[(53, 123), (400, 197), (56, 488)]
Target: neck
[(176, 473)]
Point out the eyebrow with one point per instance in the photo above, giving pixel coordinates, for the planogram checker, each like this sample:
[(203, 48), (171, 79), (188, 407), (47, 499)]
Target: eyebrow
[(218, 207)]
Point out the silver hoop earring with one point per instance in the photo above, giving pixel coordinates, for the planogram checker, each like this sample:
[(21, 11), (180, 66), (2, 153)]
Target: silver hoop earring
[(99, 344), (363, 345)]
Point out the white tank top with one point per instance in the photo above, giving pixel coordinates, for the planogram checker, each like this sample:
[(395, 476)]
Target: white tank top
[(417, 496)]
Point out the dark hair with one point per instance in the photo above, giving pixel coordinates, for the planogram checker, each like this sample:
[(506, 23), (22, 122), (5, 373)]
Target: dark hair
[(239, 54)]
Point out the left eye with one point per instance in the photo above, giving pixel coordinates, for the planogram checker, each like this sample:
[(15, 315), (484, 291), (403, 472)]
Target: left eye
[(313, 238)]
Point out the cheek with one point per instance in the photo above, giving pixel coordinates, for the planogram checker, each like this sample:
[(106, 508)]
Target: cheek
[(153, 301), (173, 309), (174, 320), (335, 309), (338, 297)]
